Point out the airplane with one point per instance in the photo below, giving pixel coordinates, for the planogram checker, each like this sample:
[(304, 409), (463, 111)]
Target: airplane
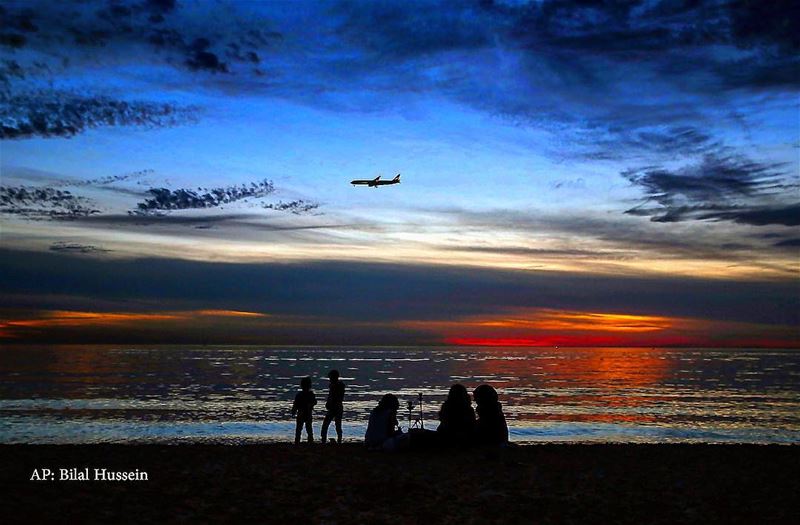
[(374, 183)]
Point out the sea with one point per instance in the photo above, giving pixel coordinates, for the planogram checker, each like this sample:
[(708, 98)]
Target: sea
[(243, 394)]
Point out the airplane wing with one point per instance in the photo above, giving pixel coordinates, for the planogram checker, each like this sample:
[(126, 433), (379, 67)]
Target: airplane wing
[(376, 179)]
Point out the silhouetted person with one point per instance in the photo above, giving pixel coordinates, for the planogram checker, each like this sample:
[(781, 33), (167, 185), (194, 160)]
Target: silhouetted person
[(383, 431), (302, 409), (456, 418), (334, 406), (491, 428)]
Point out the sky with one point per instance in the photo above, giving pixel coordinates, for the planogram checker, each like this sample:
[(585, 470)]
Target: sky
[(573, 172)]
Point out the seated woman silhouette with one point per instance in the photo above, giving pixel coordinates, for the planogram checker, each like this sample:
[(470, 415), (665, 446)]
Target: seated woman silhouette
[(456, 418), (383, 431), (491, 428)]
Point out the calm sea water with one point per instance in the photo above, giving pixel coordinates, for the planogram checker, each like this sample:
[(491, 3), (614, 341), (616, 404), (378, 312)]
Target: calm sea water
[(240, 394)]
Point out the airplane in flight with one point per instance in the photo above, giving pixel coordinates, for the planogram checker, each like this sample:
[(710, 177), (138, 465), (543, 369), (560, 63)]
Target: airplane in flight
[(374, 183)]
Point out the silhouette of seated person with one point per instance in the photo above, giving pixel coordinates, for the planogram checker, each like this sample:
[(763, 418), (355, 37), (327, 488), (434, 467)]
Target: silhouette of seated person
[(302, 409), (456, 418), (491, 428), (383, 431)]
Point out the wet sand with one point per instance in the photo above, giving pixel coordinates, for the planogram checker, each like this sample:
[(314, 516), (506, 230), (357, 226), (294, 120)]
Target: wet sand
[(281, 483)]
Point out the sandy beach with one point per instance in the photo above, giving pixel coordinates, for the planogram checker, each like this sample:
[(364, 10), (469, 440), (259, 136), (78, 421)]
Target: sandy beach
[(282, 483)]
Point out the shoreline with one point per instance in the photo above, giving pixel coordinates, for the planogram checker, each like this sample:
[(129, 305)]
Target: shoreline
[(282, 483), (354, 442)]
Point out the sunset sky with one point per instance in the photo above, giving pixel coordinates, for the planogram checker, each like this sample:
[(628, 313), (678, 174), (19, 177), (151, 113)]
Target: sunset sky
[(574, 173)]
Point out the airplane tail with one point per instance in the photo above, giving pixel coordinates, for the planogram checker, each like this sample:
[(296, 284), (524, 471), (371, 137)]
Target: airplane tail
[(397, 178)]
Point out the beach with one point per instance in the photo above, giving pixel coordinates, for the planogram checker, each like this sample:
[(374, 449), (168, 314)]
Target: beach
[(283, 483)]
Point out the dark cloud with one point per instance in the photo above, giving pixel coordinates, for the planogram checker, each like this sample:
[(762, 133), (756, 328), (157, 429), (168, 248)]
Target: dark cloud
[(383, 292), (12, 40), (398, 30), (103, 181), (160, 24), (165, 38), (90, 37), (74, 247), (297, 207), (622, 28), (684, 139), (68, 36), (735, 246), (155, 219), (763, 216), (757, 74), (54, 179), (788, 243), (10, 70), (666, 33), (556, 63), (164, 199), (200, 58), (775, 23), (721, 188), (114, 12), (53, 202), (160, 6), (572, 184), (239, 224), (613, 80), (43, 203), (617, 141), (61, 114), (21, 21)]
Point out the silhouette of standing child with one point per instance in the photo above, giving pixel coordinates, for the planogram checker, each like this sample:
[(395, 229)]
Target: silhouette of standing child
[(334, 406), (302, 409)]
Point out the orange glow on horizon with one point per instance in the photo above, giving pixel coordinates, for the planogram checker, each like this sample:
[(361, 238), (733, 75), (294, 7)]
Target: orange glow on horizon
[(547, 327), (228, 313), (568, 341), (596, 341), (75, 318), (521, 327), (567, 320), (555, 320), (72, 318)]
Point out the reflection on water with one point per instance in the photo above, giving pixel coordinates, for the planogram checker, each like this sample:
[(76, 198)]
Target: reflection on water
[(91, 394)]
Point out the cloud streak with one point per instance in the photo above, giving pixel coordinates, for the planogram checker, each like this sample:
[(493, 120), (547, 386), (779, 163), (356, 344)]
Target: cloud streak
[(387, 291), (387, 295), (164, 199), (74, 247), (62, 114), (720, 188), (44, 203), (297, 207)]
